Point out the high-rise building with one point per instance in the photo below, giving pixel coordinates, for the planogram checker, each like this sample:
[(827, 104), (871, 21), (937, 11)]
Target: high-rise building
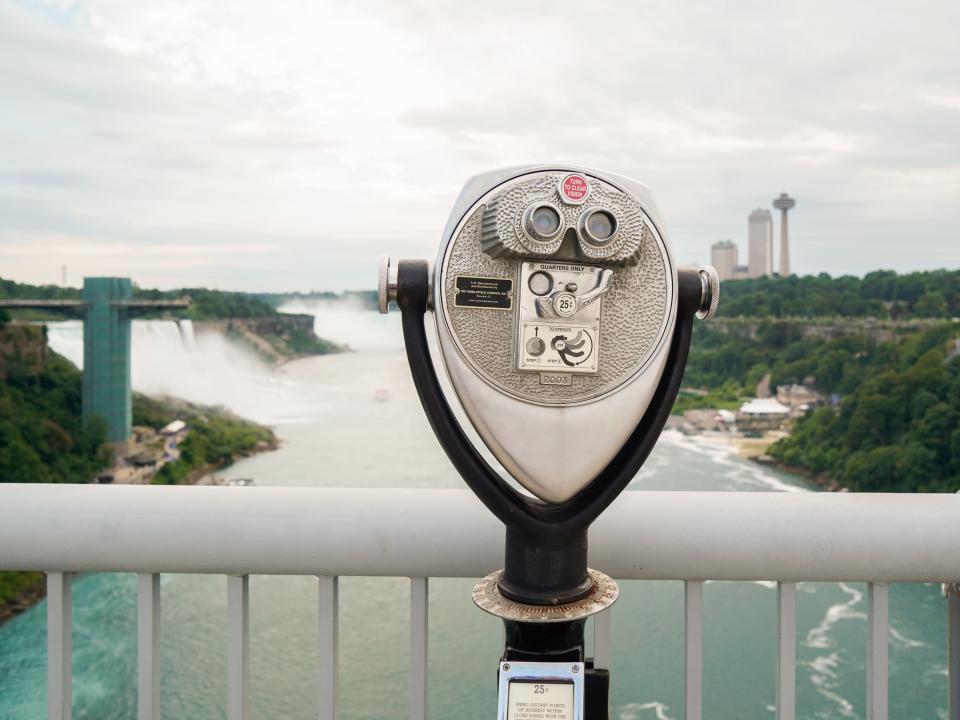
[(760, 243), (784, 203), (723, 257)]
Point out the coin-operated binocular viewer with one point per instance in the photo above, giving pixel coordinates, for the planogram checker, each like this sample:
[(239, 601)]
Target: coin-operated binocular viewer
[(563, 323)]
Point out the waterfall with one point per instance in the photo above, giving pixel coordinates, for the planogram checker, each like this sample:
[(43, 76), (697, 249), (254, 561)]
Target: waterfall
[(66, 338), (207, 367), (167, 359), (186, 333)]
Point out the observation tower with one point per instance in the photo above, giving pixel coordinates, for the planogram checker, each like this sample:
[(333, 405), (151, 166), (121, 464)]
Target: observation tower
[(784, 203)]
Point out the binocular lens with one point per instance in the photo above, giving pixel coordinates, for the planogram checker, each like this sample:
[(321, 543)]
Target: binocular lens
[(600, 225), (546, 221)]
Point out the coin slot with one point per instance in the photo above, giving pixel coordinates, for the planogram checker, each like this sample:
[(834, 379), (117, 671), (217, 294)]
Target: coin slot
[(540, 283)]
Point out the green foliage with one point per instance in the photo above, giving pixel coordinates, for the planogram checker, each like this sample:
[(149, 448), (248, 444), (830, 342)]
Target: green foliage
[(305, 342), (882, 294), (898, 427), (23, 291), (728, 396), (213, 440), (208, 304), (15, 586), (42, 437), (150, 412)]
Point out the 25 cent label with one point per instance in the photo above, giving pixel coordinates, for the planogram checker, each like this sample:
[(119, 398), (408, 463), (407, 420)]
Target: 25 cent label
[(540, 701)]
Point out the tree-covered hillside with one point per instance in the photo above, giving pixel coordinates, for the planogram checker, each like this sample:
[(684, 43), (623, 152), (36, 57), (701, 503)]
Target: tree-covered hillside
[(42, 438), (880, 294), (205, 304), (898, 425)]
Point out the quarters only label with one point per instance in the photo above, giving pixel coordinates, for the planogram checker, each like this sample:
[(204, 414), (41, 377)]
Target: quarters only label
[(483, 292)]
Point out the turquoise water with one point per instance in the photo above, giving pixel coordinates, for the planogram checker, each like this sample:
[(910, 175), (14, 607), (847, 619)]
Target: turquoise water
[(335, 434)]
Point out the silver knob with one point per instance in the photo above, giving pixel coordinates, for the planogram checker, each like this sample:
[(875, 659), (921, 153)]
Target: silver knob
[(386, 284), (709, 292)]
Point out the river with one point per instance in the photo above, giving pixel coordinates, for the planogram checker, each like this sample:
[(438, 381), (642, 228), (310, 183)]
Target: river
[(335, 434)]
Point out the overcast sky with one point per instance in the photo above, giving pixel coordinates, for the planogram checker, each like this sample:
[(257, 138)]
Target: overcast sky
[(280, 145)]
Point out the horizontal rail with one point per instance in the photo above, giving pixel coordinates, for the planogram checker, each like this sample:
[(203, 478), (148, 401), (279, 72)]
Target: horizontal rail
[(882, 538)]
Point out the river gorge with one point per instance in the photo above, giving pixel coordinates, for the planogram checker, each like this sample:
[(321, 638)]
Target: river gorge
[(337, 431)]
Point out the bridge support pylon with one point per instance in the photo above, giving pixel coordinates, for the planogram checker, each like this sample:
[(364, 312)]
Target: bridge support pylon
[(106, 354)]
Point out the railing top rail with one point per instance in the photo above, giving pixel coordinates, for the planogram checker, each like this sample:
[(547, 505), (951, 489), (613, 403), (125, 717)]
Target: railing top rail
[(447, 533)]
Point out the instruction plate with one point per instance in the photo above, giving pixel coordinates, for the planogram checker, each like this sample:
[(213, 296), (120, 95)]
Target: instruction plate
[(540, 691), (557, 348), (532, 700)]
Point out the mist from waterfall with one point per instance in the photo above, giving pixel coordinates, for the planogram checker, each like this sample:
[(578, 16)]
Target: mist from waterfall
[(207, 367), (348, 322)]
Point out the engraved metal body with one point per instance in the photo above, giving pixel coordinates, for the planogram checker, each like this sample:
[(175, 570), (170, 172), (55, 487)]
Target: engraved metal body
[(534, 329)]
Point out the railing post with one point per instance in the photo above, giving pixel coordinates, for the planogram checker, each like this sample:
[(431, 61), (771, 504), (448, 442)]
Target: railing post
[(786, 650), (878, 613), (419, 588), (148, 646), (953, 651), (329, 594), (601, 639), (238, 647), (693, 649), (59, 645)]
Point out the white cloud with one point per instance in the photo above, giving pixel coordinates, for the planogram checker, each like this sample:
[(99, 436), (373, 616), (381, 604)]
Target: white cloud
[(335, 132)]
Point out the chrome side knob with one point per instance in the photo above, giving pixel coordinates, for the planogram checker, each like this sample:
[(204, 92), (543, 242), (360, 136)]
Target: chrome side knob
[(386, 284), (710, 292)]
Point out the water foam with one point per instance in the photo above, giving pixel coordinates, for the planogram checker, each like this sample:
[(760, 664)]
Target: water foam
[(638, 711), (824, 669), (734, 469), (819, 637)]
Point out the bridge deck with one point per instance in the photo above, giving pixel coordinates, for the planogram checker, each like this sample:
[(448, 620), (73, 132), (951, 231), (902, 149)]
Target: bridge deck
[(81, 304)]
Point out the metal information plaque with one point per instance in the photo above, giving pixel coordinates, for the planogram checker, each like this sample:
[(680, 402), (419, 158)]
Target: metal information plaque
[(528, 700), (483, 292), (540, 691)]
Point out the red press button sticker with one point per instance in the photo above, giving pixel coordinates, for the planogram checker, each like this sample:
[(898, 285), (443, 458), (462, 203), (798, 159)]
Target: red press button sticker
[(574, 189)]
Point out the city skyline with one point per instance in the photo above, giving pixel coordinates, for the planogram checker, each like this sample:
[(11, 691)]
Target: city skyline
[(285, 148), (725, 254)]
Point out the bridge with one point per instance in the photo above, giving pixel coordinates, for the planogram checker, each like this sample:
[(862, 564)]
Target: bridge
[(690, 537), (107, 306)]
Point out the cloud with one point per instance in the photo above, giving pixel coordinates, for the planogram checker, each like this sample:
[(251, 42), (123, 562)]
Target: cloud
[(336, 132)]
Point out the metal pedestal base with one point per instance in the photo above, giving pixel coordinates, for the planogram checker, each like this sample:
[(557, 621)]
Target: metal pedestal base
[(487, 596)]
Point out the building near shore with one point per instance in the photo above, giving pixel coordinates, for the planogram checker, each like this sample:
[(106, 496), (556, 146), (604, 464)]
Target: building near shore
[(764, 407), (798, 396), (175, 429), (761, 415)]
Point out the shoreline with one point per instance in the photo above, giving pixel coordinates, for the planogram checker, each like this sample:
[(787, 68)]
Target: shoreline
[(33, 585), (754, 449)]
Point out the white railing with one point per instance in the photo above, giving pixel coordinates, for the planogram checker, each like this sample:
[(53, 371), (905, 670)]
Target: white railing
[(788, 537)]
